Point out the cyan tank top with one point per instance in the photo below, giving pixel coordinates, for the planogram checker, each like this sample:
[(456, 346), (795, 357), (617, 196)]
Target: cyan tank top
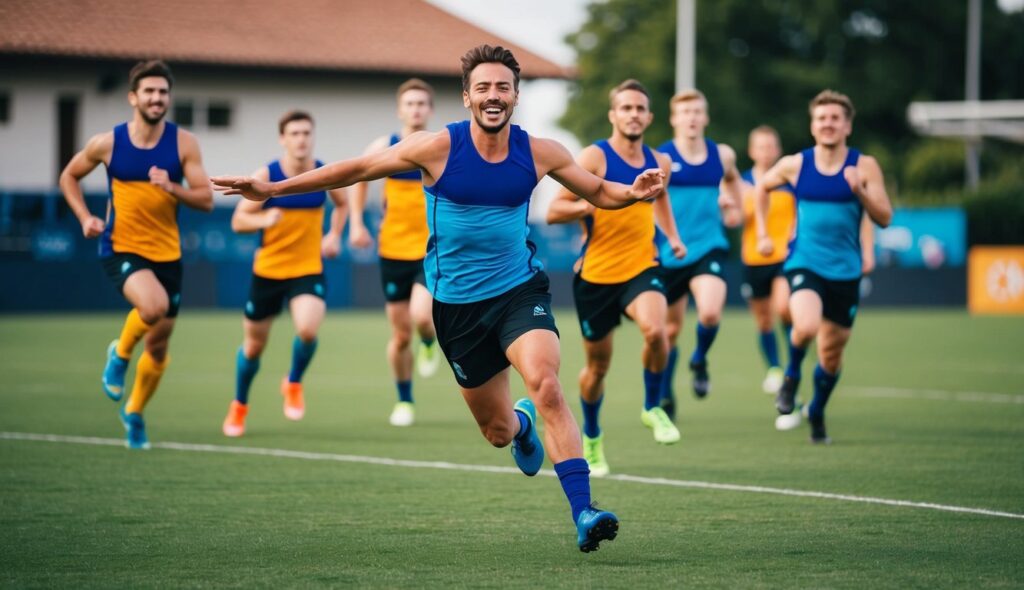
[(693, 191)]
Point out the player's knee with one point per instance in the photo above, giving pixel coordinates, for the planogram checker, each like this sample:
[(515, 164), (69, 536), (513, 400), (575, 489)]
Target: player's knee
[(547, 393), (152, 312), (654, 335), (306, 334), (831, 361), (253, 348), (710, 317), (498, 435), (401, 339)]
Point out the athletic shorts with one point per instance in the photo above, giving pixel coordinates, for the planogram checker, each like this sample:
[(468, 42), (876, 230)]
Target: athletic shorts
[(600, 307), (839, 299), (120, 266), (758, 280), (677, 280), (398, 276), (267, 296), (474, 336)]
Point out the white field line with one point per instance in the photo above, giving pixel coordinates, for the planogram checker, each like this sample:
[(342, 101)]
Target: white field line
[(933, 394), (308, 456)]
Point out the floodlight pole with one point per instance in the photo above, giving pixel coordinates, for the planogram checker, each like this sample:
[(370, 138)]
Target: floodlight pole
[(972, 91), (686, 44)]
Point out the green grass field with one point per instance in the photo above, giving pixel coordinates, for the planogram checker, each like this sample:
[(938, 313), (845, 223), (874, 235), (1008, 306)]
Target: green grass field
[(930, 409)]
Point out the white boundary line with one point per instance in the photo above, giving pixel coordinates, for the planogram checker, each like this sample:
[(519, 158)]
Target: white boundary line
[(933, 394), (658, 481)]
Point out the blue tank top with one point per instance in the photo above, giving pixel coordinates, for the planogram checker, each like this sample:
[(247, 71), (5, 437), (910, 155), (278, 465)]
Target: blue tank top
[(477, 216), (693, 191), (618, 170), (410, 175), (828, 216), (300, 201)]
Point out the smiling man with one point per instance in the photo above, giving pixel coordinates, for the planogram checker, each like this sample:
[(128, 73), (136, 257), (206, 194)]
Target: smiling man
[(146, 158), (492, 308), (839, 192)]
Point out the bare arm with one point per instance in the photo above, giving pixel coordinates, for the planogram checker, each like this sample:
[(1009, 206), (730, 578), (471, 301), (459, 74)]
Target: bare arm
[(554, 160), (567, 206), (731, 197), (358, 234), (785, 170), (250, 216), (663, 216), (423, 150), (867, 183), (330, 245), (97, 151), (867, 244), (198, 194)]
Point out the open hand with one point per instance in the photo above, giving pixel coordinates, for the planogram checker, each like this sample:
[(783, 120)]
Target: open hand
[(247, 186), (648, 184)]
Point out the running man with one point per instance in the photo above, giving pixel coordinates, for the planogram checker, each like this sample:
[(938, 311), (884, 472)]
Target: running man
[(146, 159), (288, 265), (492, 307), (764, 285), (402, 244), (617, 273), (705, 190), (839, 192)]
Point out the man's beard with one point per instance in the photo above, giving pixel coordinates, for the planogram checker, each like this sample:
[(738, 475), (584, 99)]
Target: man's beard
[(493, 128), (634, 136), (152, 120)]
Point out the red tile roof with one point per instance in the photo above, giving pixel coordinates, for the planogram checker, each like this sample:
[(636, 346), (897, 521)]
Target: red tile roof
[(395, 36)]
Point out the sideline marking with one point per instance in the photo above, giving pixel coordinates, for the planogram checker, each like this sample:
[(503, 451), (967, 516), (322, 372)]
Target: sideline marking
[(309, 456), (934, 394)]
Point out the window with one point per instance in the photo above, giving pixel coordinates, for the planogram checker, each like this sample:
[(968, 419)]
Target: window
[(5, 106), (184, 113), (218, 115)]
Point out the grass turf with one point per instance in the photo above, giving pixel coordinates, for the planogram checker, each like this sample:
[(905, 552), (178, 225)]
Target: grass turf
[(101, 516)]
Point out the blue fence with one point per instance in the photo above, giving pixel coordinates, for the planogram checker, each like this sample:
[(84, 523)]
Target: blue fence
[(48, 265)]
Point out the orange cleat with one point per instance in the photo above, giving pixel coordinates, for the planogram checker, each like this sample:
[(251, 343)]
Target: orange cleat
[(294, 406), (234, 424)]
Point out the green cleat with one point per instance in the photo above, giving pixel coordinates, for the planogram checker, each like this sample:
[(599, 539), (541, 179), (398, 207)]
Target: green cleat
[(593, 452), (428, 359), (657, 420)]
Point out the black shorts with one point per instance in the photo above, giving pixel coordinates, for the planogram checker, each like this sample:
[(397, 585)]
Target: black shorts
[(120, 266), (267, 296), (474, 336), (839, 299), (398, 276), (677, 280), (758, 280), (600, 307)]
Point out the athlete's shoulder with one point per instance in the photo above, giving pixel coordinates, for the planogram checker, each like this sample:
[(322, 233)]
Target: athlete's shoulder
[(187, 142), (100, 146)]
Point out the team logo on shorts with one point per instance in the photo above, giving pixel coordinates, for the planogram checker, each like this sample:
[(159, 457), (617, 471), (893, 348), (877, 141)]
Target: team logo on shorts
[(853, 311), (176, 299), (459, 372), (798, 280), (249, 307), (746, 290), (587, 331), (716, 268), (391, 288), (319, 289), (657, 283), (125, 266), (538, 310)]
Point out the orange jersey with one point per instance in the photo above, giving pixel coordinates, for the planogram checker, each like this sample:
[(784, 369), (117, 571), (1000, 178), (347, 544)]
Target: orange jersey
[(403, 230), (781, 222), (619, 244), (142, 218), (291, 247)]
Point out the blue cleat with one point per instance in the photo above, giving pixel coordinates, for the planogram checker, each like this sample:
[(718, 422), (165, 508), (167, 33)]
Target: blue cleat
[(594, 526), (135, 428), (113, 373), (528, 453)]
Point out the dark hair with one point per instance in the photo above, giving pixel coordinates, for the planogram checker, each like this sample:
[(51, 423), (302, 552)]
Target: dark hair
[(415, 84), (483, 54), (832, 97), (629, 84), (292, 116), (147, 69)]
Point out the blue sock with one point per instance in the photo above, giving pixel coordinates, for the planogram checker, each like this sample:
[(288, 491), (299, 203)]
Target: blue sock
[(245, 370), (787, 329), (796, 358), (574, 475), (824, 383), (404, 391), (524, 425), (769, 348), (652, 388), (591, 428), (302, 353), (705, 336), (669, 373)]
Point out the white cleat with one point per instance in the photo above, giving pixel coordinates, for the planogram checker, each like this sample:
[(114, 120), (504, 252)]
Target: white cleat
[(773, 380), (404, 414), (790, 421)]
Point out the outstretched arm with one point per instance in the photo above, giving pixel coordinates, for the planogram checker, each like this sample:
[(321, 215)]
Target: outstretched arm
[(97, 151), (554, 160), (785, 170), (867, 183), (422, 150), (250, 216), (567, 205)]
